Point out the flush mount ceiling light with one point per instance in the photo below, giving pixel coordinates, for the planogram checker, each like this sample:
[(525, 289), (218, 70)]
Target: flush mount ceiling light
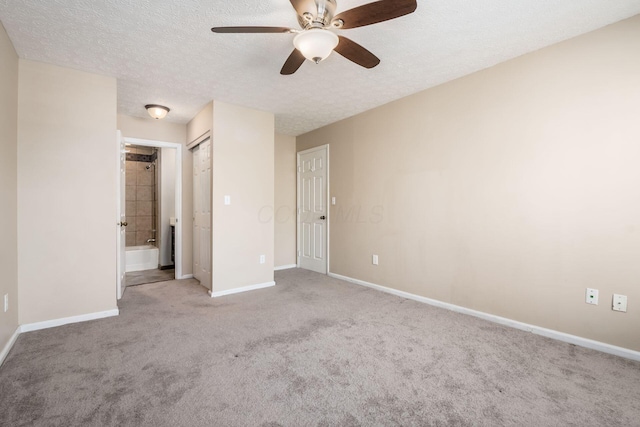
[(316, 44), (157, 111)]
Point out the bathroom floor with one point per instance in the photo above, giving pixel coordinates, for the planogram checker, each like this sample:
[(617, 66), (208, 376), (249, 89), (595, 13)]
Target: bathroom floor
[(134, 278)]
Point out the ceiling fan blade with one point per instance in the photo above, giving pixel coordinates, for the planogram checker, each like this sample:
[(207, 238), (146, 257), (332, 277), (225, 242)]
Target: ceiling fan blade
[(356, 53), (378, 11), (293, 62), (252, 30)]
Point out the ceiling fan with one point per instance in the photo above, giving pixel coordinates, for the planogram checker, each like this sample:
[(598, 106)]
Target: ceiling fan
[(317, 18)]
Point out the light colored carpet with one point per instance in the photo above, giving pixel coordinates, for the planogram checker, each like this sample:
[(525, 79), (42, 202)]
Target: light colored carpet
[(312, 351)]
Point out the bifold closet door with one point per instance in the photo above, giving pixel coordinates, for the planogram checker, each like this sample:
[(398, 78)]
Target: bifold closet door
[(202, 213)]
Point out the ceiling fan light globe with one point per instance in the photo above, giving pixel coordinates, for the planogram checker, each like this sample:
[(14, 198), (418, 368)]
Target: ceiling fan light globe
[(316, 44)]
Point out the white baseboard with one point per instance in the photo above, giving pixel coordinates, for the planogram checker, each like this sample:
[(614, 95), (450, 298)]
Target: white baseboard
[(285, 267), (52, 324), (549, 333), (9, 345), (66, 320), (185, 276), (243, 289)]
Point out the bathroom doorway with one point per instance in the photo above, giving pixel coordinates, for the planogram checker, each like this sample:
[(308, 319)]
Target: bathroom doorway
[(151, 207)]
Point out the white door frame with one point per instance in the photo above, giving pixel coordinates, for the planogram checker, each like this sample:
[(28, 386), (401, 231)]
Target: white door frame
[(178, 195), (299, 202), (120, 244)]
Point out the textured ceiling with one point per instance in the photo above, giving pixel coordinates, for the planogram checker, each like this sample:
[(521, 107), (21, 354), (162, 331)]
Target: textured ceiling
[(162, 51)]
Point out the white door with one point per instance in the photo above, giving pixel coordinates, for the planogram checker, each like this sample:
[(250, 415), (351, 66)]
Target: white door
[(202, 213), (312, 209), (122, 221)]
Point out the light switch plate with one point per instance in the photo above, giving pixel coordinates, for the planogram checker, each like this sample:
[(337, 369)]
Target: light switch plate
[(227, 200)]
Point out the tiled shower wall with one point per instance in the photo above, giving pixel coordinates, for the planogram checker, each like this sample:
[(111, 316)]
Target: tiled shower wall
[(140, 197)]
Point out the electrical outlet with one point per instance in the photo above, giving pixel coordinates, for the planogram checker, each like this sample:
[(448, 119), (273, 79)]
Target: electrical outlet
[(263, 259), (592, 296), (227, 200), (6, 302), (374, 259), (333, 200), (619, 303)]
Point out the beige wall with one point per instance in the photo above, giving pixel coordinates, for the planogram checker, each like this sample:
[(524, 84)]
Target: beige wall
[(201, 124), (284, 213), (165, 131), (167, 172), (67, 190), (243, 152), (8, 186), (508, 191), (155, 130)]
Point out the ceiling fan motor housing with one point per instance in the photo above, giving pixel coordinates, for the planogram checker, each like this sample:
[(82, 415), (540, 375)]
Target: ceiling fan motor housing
[(322, 16)]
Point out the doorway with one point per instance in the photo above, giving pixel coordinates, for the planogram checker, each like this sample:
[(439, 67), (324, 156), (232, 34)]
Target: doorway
[(313, 211), (150, 204)]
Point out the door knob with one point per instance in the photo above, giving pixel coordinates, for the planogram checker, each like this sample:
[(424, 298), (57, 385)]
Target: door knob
[(323, 217), (124, 224)]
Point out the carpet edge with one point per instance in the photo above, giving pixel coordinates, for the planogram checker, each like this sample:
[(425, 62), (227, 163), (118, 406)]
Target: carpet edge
[(538, 330), (29, 327), (9, 345), (243, 289)]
